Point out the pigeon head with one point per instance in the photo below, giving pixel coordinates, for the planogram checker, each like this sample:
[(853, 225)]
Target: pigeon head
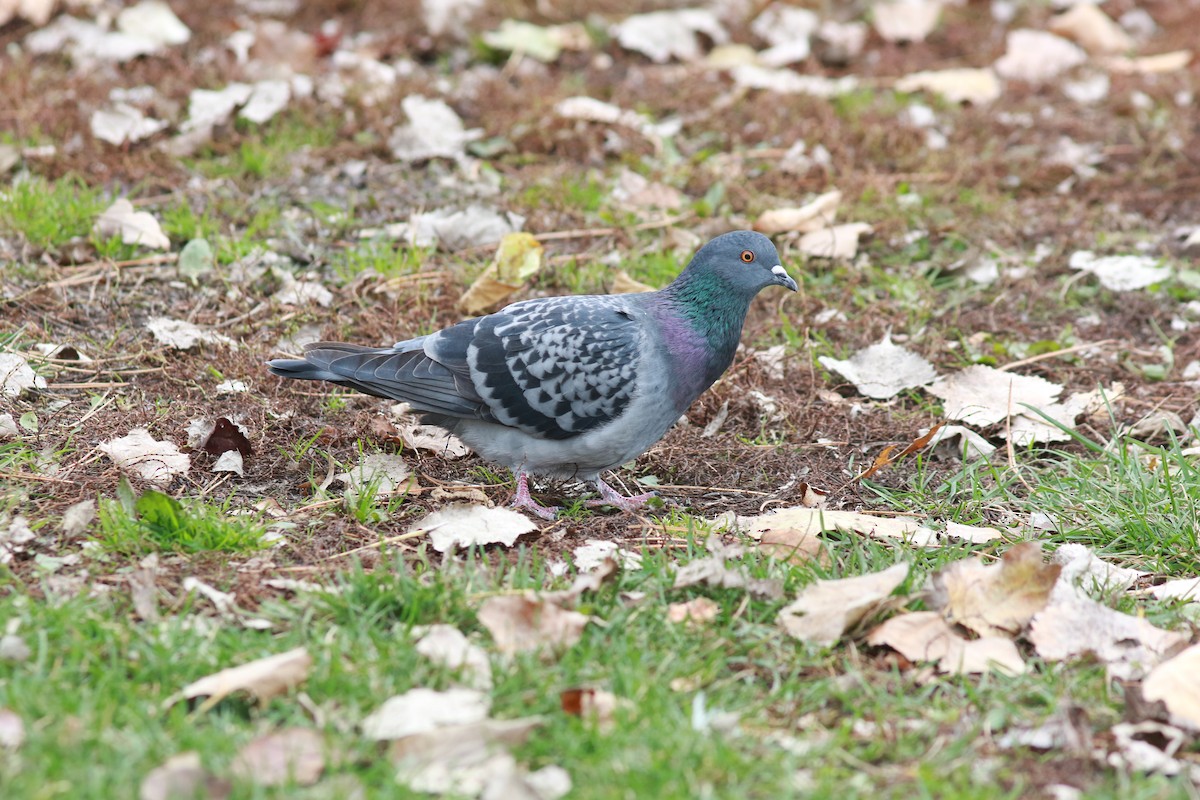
[(743, 261)]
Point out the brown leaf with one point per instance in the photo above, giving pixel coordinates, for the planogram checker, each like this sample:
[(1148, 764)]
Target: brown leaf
[(181, 777), (624, 284), (261, 679), (696, 611), (713, 571), (825, 610), (1174, 683), (288, 755), (521, 623), (595, 705), (997, 600), (518, 258), (926, 636), (227, 436)]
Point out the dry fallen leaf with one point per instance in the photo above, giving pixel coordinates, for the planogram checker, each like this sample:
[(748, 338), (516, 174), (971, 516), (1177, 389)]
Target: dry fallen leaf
[(520, 623), (1179, 589), (518, 258), (838, 241), (996, 600), (825, 610), (432, 439), (465, 760), (183, 776), (16, 376), (466, 524), (1121, 273), (1149, 65), (594, 705), (821, 212), (713, 571), (140, 454), (972, 533), (1093, 29), (290, 755), (421, 710), (802, 522), (385, 473), (982, 395), (663, 35), (883, 370), (12, 729), (262, 679), (182, 335), (1037, 56), (696, 611), (623, 284), (1073, 624), (594, 553), (1174, 683), (926, 636), (446, 645), (906, 20), (434, 131), (134, 227)]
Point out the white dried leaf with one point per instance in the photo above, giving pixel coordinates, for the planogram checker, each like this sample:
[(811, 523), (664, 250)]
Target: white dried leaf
[(232, 387), (86, 42), (262, 679), (207, 107), (434, 131), (141, 454), (803, 521), (982, 395), (789, 31), (12, 729), (1093, 574), (230, 461), (154, 21), (1149, 65), (976, 446), (8, 425), (1178, 589), (1093, 29), (421, 710), (446, 645), (182, 335), (468, 760), (1174, 683), (926, 636), (594, 553), (464, 524), (267, 99), (434, 440), (838, 242), (134, 227), (225, 602), (449, 16), (972, 533), (663, 35), (825, 610), (906, 20), (1073, 625), (590, 109), (1037, 56), (786, 81), (883, 370), (521, 623), (78, 517), (283, 757), (1121, 273), (123, 123), (821, 212), (387, 472), (300, 293), (15, 377), (455, 229), (978, 86)]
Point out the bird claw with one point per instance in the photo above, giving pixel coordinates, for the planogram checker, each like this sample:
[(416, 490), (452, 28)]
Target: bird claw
[(611, 497), (523, 500)]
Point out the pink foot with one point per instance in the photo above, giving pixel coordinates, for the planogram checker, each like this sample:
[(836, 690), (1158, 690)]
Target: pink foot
[(611, 497), (524, 500)]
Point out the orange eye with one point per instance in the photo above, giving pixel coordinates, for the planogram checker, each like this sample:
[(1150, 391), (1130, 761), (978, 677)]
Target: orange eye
[(747, 256)]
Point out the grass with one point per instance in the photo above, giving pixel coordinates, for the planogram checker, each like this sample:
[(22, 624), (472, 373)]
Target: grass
[(156, 521), (49, 214), (96, 682)]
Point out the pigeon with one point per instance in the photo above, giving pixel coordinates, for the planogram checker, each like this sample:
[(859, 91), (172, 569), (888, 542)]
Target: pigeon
[(568, 387)]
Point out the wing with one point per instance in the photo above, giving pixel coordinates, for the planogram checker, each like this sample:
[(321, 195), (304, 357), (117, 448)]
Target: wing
[(552, 367)]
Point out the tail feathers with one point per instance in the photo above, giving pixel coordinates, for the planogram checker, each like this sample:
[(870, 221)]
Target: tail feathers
[(405, 374)]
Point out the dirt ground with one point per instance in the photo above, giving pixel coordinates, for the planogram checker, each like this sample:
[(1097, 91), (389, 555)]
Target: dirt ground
[(990, 189)]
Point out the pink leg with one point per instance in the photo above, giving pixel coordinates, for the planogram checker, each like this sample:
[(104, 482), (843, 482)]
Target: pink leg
[(524, 500), (610, 497)]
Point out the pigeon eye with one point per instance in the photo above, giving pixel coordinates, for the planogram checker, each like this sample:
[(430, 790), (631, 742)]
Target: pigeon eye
[(747, 256)]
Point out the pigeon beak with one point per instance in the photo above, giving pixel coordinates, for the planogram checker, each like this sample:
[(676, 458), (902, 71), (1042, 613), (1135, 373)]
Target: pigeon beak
[(782, 278)]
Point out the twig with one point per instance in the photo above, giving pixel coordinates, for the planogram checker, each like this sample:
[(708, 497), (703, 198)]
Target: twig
[(29, 476), (382, 543), (1065, 351)]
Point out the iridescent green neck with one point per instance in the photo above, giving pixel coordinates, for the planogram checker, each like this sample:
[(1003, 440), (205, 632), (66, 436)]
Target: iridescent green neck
[(711, 307)]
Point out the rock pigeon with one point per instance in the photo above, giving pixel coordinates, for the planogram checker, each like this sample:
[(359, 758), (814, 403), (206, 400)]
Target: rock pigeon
[(568, 387)]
